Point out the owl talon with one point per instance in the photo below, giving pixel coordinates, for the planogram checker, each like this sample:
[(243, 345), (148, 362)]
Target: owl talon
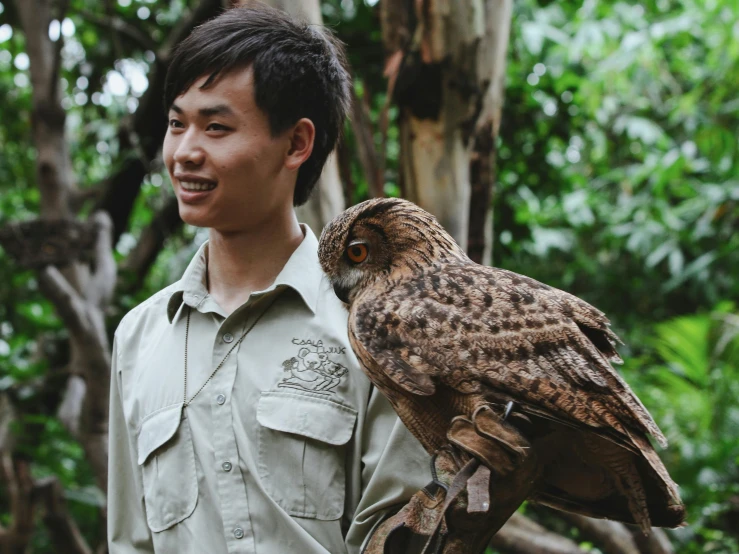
[(491, 426), (508, 409)]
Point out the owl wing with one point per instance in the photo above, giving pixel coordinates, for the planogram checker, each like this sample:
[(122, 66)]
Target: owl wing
[(472, 328)]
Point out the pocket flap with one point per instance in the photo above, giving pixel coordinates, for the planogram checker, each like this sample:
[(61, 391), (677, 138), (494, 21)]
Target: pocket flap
[(316, 418), (157, 429)]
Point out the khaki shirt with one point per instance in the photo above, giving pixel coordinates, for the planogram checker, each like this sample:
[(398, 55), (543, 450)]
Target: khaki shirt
[(286, 448)]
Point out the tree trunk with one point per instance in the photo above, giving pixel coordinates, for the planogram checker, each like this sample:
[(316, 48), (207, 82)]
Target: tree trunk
[(327, 199), (445, 62), (80, 292), (491, 67)]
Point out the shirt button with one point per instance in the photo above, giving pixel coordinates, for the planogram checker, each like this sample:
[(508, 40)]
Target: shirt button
[(220, 399), (226, 466), (228, 337), (239, 533)]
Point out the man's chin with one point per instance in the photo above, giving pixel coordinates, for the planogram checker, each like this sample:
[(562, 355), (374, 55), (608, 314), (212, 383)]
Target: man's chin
[(196, 216)]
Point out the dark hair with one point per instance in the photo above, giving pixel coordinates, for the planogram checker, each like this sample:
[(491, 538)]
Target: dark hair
[(299, 71)]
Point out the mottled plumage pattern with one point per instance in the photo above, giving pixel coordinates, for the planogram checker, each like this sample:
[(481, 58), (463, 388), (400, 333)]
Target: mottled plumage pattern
[(440, 336)]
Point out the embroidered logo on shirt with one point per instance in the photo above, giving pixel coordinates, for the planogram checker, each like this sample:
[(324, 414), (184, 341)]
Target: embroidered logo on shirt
[(313, 369)]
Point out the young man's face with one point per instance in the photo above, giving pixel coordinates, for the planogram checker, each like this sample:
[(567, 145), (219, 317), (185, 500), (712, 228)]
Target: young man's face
[(228, 172)]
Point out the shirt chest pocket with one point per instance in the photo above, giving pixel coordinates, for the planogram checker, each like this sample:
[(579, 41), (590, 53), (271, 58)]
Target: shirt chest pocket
[(167, 460), (302, 452)]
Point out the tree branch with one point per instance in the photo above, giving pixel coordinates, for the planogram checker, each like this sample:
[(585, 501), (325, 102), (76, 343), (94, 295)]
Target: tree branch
[(63, 6), (656, 543), (53, 165), (67, 301), (165, 223), (520, 535), (119, 25), (611, 537), (17, 477), (102, 282), (368, 158), (63, 531), (204, 11)]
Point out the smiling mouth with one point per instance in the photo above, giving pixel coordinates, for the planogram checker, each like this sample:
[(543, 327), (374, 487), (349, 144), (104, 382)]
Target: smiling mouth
[(196, 187)]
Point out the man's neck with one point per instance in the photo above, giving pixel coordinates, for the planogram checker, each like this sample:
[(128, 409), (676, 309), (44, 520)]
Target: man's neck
[(240, 263)]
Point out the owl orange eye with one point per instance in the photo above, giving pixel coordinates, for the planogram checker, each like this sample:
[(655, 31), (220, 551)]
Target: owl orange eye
[(357, 253)]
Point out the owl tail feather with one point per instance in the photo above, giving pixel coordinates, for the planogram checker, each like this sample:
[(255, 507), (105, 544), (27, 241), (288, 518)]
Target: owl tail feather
[(629, 484)]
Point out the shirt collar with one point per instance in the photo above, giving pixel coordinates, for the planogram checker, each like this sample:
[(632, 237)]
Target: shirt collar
[(302, 273)]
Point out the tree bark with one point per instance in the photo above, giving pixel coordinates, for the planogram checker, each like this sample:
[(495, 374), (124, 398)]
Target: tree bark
[(520, 535), (611, 537), (53, 165), (491, 71), (445, 62)]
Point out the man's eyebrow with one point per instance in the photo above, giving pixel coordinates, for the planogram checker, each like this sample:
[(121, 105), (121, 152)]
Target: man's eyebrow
[(219, 109)]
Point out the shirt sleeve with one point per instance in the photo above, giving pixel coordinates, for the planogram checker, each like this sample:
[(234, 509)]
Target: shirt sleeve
[(394, 467), (128, 532)]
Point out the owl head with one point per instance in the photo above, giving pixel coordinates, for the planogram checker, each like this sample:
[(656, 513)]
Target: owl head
[(379, 238)]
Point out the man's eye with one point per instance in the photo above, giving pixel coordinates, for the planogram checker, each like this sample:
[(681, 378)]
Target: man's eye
[(175, 124), (217, 127)]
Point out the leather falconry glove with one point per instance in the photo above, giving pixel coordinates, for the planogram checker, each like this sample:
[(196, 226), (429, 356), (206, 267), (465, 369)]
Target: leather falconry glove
[(466, 503)]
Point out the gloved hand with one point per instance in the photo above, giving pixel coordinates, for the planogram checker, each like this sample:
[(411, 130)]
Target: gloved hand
[(466, 503)]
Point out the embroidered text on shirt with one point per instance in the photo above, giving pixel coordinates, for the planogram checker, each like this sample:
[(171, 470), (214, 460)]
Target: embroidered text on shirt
[(313, 369)]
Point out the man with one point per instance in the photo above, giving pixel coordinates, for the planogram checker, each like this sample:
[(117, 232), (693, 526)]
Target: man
[(240, 420)]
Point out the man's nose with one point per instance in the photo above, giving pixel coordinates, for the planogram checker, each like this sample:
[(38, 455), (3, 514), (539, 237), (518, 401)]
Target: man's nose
[(189, 151)]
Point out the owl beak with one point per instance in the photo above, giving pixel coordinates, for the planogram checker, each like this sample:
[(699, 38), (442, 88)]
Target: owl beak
[(342, 293)]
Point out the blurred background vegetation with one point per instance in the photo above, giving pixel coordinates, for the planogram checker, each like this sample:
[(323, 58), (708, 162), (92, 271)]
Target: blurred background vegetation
[(617, 180)]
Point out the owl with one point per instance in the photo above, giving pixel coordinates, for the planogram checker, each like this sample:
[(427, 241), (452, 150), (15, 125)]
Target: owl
[(446, 339)]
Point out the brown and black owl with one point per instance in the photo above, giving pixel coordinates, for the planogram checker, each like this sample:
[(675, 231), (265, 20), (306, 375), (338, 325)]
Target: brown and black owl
[(444, 337)]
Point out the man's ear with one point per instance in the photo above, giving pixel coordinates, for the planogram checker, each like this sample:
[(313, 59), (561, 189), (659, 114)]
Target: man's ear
[(302, 137)]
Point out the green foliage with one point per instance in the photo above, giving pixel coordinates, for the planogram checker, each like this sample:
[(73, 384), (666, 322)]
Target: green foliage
[(618, 157), (618, 180), (689, 376)]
